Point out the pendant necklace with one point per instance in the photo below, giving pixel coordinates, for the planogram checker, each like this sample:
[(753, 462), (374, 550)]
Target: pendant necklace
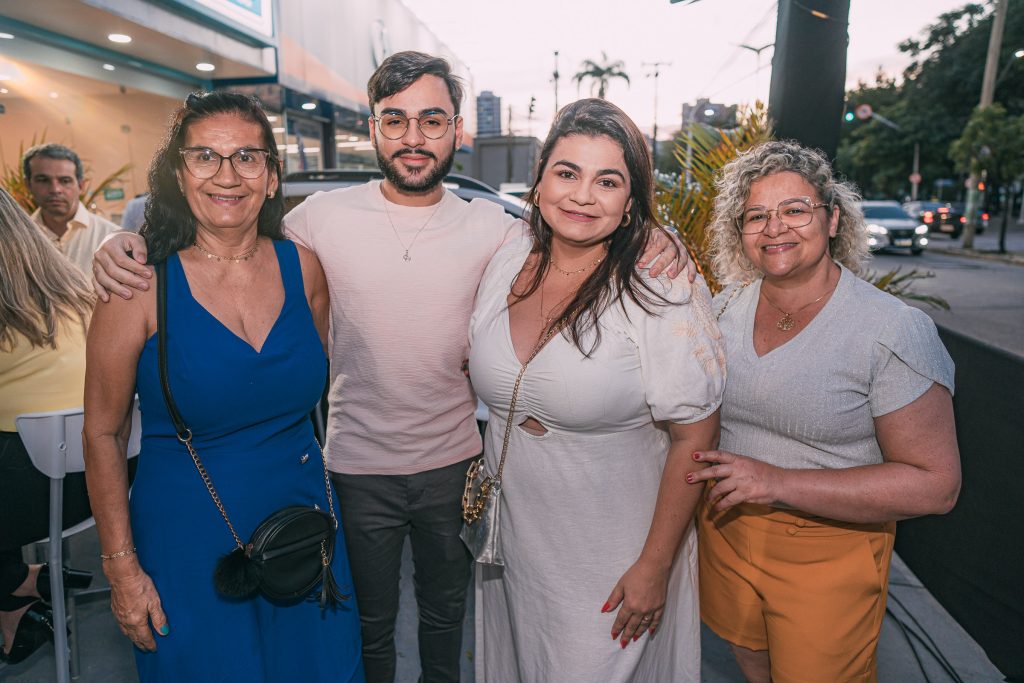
[(786, 322), (405, 256), (244, 256)]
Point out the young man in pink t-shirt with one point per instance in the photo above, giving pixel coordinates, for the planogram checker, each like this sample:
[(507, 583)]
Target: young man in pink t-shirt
[(403, 258)]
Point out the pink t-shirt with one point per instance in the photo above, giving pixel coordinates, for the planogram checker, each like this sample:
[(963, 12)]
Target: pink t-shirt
[(399, 403)]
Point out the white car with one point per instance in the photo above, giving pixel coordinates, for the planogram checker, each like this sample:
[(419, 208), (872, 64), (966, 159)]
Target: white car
[(890, 227)]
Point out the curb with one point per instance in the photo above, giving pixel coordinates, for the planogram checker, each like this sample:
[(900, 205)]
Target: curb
[(1011, 257)]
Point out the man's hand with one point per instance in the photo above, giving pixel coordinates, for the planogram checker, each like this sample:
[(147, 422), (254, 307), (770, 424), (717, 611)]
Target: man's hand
[(667, 254), (120, 260)]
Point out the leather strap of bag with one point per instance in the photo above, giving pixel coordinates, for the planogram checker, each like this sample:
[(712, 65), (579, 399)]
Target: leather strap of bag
[(182, 431)]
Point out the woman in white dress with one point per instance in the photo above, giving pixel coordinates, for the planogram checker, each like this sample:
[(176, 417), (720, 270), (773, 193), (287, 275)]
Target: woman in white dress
[(624, 375)]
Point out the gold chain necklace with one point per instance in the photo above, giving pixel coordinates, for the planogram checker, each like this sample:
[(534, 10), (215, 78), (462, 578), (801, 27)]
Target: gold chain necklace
[(244, 256), (567, 273), (786, 322), (405, 256)]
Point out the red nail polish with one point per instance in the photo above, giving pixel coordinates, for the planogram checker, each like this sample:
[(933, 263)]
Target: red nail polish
[(689, 478), (696, 456), (624, 643), (652, 630), (606, 607), (636, 638)]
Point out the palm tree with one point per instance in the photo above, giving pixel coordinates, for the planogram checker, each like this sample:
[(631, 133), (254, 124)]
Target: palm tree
[(600, 73)]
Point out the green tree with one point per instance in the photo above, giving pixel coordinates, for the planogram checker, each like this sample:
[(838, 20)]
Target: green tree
[(931, 103), (600, 74), (992, 145)]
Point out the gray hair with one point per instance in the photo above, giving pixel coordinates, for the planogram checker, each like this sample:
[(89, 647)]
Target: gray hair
[(51, 150), (850, 245)]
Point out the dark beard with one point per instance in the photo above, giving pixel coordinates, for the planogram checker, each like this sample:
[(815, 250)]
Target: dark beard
[(422, 185)]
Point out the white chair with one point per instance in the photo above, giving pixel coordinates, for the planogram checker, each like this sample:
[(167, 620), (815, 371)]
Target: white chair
[(54, 443)]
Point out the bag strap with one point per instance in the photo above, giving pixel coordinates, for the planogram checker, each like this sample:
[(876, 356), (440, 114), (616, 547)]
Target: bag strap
[(515, 395), (728, 301), (181, 430)]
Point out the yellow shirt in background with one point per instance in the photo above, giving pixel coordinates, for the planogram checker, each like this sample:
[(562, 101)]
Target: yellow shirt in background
[(36, 379)]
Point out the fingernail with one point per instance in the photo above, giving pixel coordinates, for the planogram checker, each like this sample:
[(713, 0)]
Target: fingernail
[(652, 630), (615, 635), (689, 478), (636, 638), (696, 456), (165, 629), (624, 643), (606, 607)]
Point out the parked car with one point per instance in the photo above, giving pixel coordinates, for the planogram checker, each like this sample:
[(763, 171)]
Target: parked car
[(890, 227), (946, 218), (299, 185)]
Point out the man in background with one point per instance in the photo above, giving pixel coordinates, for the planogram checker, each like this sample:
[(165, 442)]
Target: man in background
[(54, 176)]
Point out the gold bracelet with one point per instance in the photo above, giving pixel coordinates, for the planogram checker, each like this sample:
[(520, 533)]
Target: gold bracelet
[(121, 553)]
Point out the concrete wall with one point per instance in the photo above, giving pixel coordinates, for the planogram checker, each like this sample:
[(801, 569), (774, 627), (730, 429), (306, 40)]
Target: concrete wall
[(972, 559)]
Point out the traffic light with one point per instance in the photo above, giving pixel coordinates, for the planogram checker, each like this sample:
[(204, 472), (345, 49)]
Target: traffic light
[(533, 104)]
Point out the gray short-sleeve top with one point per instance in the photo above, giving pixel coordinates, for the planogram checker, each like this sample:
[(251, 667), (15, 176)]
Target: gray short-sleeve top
[(811, 402)]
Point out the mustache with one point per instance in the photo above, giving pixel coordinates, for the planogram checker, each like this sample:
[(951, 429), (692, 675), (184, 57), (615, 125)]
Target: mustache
[(418, 152)]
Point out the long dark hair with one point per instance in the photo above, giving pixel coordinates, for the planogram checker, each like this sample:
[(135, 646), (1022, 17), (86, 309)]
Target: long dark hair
[(170, 225), (616, 276)]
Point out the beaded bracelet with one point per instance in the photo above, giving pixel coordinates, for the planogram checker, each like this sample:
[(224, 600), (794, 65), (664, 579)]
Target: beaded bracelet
[(121, 553)]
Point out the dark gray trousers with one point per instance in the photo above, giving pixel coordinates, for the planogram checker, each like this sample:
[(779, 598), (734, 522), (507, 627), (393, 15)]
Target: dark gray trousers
[(378, 512)]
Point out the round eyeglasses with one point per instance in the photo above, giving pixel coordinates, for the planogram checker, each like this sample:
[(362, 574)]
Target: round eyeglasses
[(394, 125), (204, 163), (793, 213)]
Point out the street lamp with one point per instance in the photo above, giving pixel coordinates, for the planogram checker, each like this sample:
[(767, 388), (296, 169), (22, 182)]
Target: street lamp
[(757, 73)]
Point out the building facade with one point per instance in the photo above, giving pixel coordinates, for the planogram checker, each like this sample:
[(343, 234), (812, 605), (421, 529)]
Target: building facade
[(488, 114), (103, 76)]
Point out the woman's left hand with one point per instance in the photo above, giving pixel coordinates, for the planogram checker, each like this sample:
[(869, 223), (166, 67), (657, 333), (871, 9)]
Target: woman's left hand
[(737, 479), (641, 593)]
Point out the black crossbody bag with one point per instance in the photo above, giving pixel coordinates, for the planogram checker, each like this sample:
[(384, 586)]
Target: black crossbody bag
[(290, 551)]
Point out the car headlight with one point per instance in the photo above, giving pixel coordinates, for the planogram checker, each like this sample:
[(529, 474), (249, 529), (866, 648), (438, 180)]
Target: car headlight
[(921, 230), (875, 229)]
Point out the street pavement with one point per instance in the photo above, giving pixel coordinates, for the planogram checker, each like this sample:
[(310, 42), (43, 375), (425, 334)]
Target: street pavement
[(920, 642), (985, 290)]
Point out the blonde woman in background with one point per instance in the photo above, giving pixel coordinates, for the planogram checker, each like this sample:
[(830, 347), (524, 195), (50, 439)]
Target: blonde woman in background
[(45, 303)]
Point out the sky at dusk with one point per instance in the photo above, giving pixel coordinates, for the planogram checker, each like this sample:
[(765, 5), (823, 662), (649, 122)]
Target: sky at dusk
[(509, 48)]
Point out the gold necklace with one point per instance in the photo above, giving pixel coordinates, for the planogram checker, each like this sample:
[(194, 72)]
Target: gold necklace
[(567, 273), (244, 256), (786, 322)]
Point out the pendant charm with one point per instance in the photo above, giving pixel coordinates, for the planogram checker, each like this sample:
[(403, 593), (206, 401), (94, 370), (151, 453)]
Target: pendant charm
[(406, 257), (785, 323)]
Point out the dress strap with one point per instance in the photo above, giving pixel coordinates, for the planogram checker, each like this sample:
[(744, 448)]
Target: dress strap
[(291, 270)]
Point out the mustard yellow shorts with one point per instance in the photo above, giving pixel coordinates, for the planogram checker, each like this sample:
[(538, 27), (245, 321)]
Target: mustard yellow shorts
[(809, 590)]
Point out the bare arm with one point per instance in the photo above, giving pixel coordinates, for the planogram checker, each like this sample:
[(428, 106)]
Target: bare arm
[(920, 475), (642, 589), (315, 283), (119, 265), (117, 334)]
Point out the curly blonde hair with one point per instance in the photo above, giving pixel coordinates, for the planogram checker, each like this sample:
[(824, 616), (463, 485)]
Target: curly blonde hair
[(850, 245)]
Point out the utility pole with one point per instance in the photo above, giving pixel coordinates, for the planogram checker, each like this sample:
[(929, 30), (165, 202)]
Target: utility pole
[(757, 72), (508, 148), (554, 79), (654, 134), (988, 89)]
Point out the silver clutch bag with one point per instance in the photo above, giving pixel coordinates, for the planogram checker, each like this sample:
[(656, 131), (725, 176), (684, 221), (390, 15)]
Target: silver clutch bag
[(481, 499), (481, 516)]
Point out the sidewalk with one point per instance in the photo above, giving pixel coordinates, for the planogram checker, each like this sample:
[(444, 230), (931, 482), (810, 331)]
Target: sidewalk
[(986, 245), (920, 642)]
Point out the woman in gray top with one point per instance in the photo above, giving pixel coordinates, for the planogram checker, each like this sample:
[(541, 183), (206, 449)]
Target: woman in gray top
[(837, 421)]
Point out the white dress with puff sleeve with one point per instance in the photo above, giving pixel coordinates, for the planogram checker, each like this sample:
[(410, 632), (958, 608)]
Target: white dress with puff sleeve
[(577, 501)]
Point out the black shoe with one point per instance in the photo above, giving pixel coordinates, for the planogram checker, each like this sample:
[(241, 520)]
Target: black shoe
[(73, 578), (34, 630)]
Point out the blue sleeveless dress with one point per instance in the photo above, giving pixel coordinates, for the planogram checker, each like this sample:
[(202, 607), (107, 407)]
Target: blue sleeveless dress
[(249, 415)]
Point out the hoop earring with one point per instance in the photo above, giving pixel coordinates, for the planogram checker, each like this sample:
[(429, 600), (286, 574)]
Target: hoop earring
[(626, 218)]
